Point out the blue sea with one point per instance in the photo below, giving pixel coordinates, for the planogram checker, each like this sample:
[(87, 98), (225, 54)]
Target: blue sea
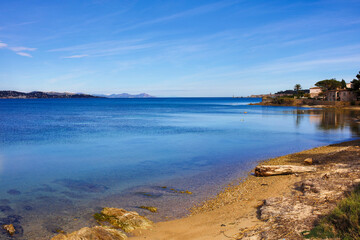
[(62, 160)]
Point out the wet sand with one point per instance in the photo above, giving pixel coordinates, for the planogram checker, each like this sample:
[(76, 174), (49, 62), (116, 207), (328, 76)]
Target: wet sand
[(236, 208)]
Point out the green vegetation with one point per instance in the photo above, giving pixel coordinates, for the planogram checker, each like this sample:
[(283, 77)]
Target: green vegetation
[(99, 217), (343, 222), (151, 209), (343, 84), (329, 84), (284, 100), (356, 82), (180, 191), (297, 88)]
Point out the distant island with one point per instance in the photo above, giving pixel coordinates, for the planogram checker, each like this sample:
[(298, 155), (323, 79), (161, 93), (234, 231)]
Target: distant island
[(39, 94)]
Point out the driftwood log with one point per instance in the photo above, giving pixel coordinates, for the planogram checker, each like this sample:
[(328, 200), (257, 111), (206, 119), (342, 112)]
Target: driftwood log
[(271, 170)]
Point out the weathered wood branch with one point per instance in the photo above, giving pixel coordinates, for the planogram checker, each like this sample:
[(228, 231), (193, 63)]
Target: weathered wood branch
[(271, 170)]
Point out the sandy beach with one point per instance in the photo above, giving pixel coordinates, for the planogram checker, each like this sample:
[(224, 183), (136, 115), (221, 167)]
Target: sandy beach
[(235, 213)]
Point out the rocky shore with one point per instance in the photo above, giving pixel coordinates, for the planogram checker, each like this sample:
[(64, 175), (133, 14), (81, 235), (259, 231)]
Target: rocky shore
[(304, 102)]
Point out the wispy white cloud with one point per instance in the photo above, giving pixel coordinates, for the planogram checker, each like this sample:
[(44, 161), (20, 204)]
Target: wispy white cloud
[(305, 23), (19, 49), (22, 51), (24, 54), (14, 25), (191, 12), (167, 47), (106, 48), (3, 45), (77, 56), (94, 45), (81, 25), (286, 67), (282, 67)]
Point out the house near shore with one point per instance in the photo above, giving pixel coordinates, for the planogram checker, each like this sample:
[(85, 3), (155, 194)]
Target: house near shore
[(315, 92), (340, 95)]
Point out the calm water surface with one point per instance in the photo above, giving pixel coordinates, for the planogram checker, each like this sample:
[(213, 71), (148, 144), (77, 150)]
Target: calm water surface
[(61, 160)]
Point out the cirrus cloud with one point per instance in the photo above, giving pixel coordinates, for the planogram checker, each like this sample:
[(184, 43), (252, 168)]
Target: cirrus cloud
[(77, 56), (24, 54), (19, 49), (22, 51), (3, 45)]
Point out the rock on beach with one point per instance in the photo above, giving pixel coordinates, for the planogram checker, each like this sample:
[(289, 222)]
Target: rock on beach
[(125, 220)]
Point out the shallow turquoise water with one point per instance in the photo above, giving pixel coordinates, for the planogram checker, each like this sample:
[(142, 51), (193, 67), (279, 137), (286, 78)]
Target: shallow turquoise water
[(59, 157)]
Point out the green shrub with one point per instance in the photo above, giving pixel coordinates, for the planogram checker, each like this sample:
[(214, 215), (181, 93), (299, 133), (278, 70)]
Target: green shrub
[(342, 222), (285, 100)]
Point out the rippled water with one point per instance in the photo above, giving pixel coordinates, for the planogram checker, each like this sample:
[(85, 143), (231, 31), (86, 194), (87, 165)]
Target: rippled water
[(61, 160)]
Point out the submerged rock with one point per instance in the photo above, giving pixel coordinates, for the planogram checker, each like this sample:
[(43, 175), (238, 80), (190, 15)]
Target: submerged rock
[(28, 208), (4, 201), (13, 192), (94, 233), (176, 191), (151, 209), (9, 228), (44, 188), (73, 195), (81, 186), (150, 195), (5, 209), (54, 228), (125, 220), (13, 220)]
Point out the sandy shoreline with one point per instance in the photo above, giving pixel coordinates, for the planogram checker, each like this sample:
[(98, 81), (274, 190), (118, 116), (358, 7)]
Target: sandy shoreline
[(236, 209)]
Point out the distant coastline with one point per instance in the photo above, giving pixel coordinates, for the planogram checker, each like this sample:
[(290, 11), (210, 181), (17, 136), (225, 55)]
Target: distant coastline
[(51, 95), (125, 95)]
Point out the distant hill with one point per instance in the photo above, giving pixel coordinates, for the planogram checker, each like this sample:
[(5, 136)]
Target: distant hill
[(126, 95), (37, 94)]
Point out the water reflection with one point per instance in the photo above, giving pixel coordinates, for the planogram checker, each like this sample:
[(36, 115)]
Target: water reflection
[(331, 119)]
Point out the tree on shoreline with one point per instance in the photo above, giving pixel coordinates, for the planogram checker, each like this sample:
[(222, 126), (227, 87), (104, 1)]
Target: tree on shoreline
[(297, 88), (343, 84), (329, 84), (356, 82)]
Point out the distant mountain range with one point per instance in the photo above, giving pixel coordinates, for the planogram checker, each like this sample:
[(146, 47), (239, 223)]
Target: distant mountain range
[(125, 95), (38, 94)]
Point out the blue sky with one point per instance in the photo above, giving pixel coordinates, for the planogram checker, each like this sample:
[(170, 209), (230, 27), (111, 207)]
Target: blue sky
[(176, 48)]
